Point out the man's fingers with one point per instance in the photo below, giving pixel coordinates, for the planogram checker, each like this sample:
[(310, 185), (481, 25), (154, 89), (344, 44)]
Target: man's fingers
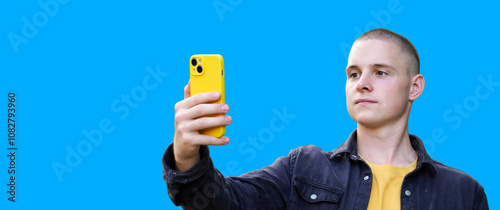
[(209, 140), (204, 123), (198, 99), (201, 110), (187, 90)]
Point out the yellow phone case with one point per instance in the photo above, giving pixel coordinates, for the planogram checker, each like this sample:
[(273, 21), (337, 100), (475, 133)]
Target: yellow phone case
[(210, 78)]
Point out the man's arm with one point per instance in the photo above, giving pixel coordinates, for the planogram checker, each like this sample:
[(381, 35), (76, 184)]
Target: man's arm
[(480, 200), (204, 187), (192, 180)]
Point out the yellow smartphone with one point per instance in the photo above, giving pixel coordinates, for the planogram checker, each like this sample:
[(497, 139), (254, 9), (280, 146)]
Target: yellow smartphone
[(207, 75)]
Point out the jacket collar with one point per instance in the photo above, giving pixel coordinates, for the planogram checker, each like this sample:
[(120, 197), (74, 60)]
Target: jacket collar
[(349, 147)]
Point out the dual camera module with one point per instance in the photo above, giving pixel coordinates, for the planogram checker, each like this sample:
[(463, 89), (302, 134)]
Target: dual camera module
[(195, 62)]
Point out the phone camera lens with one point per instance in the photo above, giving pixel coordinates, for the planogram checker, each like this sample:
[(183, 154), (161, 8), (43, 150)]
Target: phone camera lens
[(199, 69), (193, 62)]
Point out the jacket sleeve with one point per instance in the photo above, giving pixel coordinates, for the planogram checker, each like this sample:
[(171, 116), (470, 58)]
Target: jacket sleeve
[(480, 200), (204, 187)]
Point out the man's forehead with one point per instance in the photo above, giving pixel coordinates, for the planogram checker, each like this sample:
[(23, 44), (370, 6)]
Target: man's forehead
[(373, 51)]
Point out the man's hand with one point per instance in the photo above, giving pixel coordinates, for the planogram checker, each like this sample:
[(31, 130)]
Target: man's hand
[(189, 121)]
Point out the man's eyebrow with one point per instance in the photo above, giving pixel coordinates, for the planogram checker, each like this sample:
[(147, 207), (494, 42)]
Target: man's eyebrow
[(376, 65), (352, 67), (383, 65)]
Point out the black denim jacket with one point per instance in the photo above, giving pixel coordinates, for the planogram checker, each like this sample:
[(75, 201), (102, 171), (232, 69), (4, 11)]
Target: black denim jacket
[(312, 179)]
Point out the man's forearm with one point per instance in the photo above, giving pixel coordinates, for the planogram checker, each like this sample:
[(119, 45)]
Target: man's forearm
[(199, 186)]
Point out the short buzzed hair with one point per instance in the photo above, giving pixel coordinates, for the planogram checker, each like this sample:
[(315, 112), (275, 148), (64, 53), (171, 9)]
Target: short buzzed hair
[(409, 51)]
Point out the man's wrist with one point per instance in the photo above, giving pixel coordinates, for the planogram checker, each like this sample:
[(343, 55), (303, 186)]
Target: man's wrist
[(184, 164)]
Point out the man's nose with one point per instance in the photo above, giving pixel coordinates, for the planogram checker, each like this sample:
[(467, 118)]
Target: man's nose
[(364, 83)]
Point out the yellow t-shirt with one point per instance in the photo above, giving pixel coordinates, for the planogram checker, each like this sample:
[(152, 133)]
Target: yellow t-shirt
[(386, 185)]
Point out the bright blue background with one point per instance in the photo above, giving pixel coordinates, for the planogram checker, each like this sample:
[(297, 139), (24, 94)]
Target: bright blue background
[(276, 55)]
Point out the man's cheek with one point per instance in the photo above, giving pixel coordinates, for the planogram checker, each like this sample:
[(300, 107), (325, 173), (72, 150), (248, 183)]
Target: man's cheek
[(398, 105)]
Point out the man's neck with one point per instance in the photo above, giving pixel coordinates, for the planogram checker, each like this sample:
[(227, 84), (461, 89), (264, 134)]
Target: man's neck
[(386, 145)]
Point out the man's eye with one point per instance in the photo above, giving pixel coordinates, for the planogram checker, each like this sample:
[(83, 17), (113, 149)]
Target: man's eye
[(381, 73), (354, 75)]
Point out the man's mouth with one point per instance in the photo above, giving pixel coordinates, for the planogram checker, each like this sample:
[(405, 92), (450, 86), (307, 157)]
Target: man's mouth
[(365, 101)]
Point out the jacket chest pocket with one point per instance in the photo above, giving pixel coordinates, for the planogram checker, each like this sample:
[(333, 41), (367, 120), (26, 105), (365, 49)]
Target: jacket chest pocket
[(312, 195)]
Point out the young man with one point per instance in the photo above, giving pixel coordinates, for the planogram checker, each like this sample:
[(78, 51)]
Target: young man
[(380, 166)]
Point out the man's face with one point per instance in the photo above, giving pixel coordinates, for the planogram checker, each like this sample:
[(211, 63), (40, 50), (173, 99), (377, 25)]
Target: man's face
[(377, 87)]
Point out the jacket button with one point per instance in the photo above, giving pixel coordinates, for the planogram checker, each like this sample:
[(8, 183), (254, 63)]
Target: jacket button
[(314, 196), (366, 178), (407, 192)]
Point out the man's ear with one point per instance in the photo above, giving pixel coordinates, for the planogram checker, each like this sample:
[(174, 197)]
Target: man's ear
[(416, 87)]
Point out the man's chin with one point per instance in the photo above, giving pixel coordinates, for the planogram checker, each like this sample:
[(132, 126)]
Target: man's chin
[(368, 123)]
